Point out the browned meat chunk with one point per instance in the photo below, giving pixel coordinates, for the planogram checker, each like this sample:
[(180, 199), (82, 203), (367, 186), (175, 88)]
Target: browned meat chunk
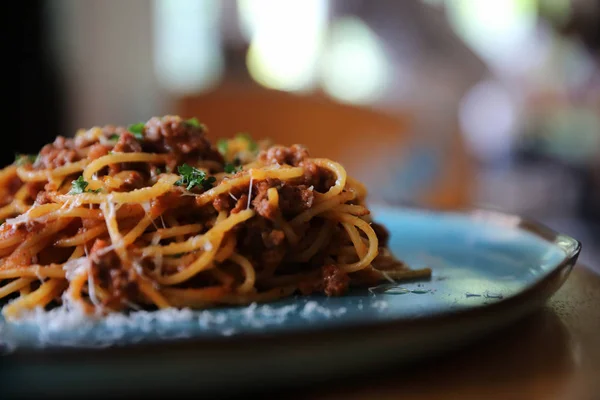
[(57, 154), (293, 155), (108, 272), (171, 134)]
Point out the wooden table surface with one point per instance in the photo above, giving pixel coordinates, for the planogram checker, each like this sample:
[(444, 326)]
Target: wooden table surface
[(553, 354)]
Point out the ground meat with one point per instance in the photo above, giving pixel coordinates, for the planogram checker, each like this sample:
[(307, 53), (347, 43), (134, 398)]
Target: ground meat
[(171, 134), (127, 144), (224, 202), (298, 156), (322, 180), (263, 207), (43, 198), (273, 238), (88, 223), (264, 244), (241, 204), (335, 281), (110, 130), (295, 199), (170, 200), (57, 154), (261, 200), (293, 155), (272, 257), (108, 272), (131, 180), (34, 188), (89, 137), (98, 150)]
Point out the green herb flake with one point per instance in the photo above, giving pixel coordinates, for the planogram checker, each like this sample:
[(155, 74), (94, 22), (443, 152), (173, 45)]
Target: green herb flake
[(232, 168), (114, 137), (158, 171), (195, 123), (79, 186), (222, 146), (252, 145), (23, 159), (137, 130), (192, 177)]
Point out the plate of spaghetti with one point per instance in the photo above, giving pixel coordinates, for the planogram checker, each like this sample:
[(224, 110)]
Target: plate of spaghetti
[(151, 237)]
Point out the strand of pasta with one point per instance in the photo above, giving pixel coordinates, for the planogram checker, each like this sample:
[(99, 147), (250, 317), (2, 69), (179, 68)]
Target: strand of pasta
[(366, 228), (227, 185), (197, 242), (13, 286), (250, 274), (7, 174), (226, 279), (29, 248), (45, 175), (117, 241), (82, 238), (195, 297), (359, 246), (12, 240), (164, 185), (353, 209), (328, 204), (117, 158), (339, 172), (38, 298), (174, 231), (75, 288), (33, 271), (139, 229), (227, 249), (202, 263), (317, 244)]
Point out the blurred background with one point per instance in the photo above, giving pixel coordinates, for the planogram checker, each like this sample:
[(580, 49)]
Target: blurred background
[(441, 103)]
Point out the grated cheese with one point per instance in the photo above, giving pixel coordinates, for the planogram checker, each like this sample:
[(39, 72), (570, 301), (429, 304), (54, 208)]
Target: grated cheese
[(312, 309), (380, 305)]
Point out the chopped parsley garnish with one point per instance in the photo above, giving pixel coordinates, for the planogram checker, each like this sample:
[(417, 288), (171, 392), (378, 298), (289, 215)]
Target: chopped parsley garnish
[(232, 168), (79, 186), (192, 177), (158, 171), (137, 130), (195, 123), (22, 159), (252, 145), (114, 137), (222, 146)]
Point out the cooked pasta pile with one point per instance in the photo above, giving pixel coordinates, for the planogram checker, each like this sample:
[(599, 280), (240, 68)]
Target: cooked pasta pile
[(154, 216)]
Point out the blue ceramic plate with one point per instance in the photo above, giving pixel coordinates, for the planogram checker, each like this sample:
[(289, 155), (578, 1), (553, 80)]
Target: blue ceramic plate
[(489, 270)]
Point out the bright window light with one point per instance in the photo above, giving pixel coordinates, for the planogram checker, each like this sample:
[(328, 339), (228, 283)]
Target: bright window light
[(285, 41), (355, 68), (187, 54)]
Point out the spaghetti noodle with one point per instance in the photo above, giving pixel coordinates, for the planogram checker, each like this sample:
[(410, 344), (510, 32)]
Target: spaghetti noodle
[(155, 216)]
